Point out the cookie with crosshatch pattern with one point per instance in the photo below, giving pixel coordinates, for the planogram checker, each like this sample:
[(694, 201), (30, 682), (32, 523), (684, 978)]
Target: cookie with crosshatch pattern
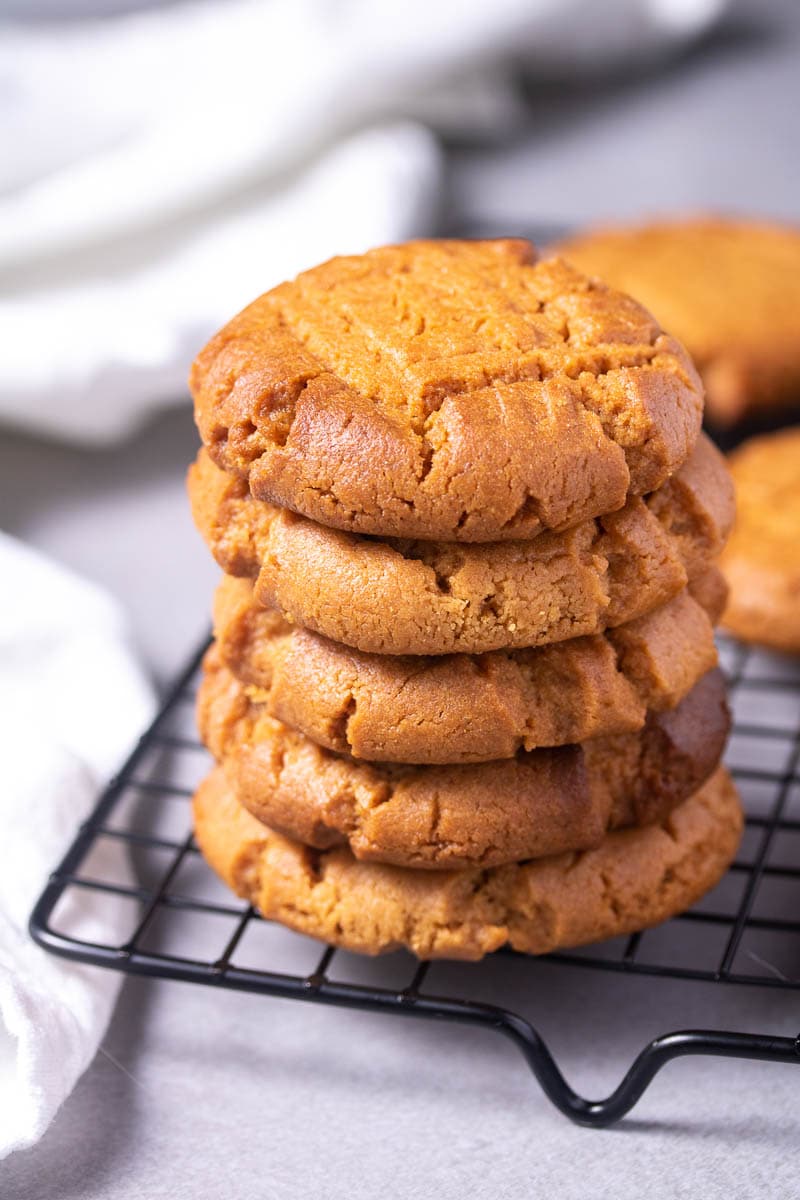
[(450, 816), (394, 597), (449, 390), (459, 707), (634, 879)]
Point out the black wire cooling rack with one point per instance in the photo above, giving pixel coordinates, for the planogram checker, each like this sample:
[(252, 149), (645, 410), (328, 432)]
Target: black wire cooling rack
[(136, 855)]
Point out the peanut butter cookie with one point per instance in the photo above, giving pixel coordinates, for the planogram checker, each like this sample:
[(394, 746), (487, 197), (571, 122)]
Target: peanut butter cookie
[(635, 878), (447, 390), (394, 597), (462, 708), (534, 804), (729, 290), (762, 560)]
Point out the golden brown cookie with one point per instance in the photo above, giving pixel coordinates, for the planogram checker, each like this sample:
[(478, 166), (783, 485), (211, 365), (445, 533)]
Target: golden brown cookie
[(447, 390), (728, 289), (390, 597), (634, 879), (462, 708), (710, 591), (450, 816), (762, 560)]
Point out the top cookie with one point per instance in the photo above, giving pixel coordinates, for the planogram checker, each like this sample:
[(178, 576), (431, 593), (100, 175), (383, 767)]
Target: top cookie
[(447, 390), (730, 290)]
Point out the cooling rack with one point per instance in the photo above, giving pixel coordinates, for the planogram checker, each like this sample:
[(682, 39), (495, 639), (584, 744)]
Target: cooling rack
[(136, 859)]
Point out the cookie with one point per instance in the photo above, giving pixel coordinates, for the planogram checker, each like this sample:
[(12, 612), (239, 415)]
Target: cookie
[(728, 289), (461, 708), (762, 560), (710, 591), (634, 879), (442, 598), (452, 816), (447, 390)]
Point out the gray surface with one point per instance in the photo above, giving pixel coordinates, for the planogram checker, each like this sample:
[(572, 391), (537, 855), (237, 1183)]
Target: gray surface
[(205, 1094), (715, 130)]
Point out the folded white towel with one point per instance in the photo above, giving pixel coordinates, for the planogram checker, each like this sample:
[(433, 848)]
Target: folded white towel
[(73, 700)]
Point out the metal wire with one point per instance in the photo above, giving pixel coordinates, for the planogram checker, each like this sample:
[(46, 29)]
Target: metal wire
[(746, 932)]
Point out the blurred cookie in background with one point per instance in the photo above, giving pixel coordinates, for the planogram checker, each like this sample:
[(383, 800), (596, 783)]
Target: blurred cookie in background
[(762, 558), (729, 290)]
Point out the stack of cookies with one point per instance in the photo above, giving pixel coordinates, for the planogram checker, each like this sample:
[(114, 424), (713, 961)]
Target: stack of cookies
[(463, 690)]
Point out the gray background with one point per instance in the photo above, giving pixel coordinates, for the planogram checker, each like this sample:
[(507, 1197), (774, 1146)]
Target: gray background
[(201, 1094)]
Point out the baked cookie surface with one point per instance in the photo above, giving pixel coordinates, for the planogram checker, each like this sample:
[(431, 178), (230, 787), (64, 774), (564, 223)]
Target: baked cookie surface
[(454, 816), (634, 879), (395, 597), (762, 559), (447, 390), (729, 290), (458, 707)]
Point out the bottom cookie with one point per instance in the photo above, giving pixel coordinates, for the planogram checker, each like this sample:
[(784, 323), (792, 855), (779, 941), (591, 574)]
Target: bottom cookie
[(636, 878)]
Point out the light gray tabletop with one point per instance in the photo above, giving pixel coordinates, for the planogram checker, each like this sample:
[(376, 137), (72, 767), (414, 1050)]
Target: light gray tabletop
[(199, 1093)]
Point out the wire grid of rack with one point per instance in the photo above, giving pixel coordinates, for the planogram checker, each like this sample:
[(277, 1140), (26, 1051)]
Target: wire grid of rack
[(747, 931)]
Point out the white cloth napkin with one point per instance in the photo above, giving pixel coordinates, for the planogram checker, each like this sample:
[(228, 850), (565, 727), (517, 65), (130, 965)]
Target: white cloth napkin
[(171, 164), (73, 699)]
